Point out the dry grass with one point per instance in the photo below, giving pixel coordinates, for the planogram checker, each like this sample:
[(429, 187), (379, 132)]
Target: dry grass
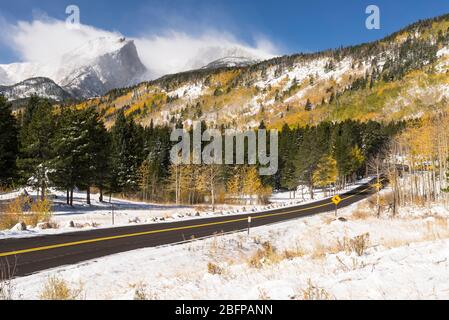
[(7, 270), (142, 293), (320, 250), (214, 269), (24, 210), (358, 244), (313, 292), (263, 294), (58, 289), (436, 229), (360, 214), (268, 254)]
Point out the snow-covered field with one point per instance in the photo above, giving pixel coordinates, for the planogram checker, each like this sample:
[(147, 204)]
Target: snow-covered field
[(402, 257)]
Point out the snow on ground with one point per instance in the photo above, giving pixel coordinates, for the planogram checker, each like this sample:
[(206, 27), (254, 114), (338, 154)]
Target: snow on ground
[(125, 212), (302, 194), (406, 258), (99, 214)]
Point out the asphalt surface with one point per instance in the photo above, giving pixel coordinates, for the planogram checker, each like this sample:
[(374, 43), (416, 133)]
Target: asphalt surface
[(26, 256)]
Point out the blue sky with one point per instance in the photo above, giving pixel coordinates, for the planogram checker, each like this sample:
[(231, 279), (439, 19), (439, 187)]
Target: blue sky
[(291, 25)]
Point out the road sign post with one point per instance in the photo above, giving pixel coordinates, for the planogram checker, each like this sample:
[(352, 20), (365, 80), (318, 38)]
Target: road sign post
[(249, 224), (336, 200)]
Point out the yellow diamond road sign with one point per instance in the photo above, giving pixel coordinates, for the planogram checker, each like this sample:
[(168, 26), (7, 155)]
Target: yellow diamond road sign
[(378, 186), (336, 200)]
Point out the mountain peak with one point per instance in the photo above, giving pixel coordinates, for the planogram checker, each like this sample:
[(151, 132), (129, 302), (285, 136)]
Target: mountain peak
[(97, 47), (41, 86), (92, 69), (228, 62)]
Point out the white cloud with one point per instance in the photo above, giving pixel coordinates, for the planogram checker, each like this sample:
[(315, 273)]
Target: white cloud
[(178, 51), (45, 40)]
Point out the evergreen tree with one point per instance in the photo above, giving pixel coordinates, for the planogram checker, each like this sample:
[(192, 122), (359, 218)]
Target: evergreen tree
[(126, 155), (8, 144), (71, 145), (35, 144), (96, 168)]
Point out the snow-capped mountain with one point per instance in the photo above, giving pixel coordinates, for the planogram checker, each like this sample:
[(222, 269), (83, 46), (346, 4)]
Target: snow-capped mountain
[(91, 70), (215, 57), (43, 87), (99, 66), (230, 62)]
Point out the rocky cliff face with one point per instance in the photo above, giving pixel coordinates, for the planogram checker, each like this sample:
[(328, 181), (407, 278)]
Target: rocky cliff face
[(91, 70)]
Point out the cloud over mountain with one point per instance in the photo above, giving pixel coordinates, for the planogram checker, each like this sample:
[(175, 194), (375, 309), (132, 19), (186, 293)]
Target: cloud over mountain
[(47, 40)]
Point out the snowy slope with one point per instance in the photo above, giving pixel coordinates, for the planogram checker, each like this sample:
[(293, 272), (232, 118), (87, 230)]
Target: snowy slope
[(229, 62), (212, 54), (406, 258), (42, 87)]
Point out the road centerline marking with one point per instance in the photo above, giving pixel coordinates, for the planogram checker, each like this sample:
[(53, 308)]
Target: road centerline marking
[(137, 234)]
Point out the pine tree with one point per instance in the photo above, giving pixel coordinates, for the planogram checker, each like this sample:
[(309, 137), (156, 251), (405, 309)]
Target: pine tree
[(96, 167), (126, 155), (35, 138), (72, 166), (8, 144)]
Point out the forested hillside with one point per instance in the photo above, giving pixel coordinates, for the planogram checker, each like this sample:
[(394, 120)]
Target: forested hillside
[(401, 76), (69, 149)]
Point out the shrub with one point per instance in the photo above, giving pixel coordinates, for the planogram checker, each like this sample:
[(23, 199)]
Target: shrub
[(14, 212), (213, 268), (40, 212), (23, 209), (6, 275), (142, 293), (57, 289), (312, 292), (358, 244), (268, 254)]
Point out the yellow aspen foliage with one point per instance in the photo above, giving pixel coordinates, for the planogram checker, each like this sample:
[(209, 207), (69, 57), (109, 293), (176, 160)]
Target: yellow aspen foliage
[(357, 158), (326, 172), (252, 185)]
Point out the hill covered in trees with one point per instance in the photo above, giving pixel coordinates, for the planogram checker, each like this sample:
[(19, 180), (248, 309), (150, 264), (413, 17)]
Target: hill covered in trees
[(401, 76)]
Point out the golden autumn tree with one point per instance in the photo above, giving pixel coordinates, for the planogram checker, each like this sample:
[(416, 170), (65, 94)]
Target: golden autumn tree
[(326, 172)]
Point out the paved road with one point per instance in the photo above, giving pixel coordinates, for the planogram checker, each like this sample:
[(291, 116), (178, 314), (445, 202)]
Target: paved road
[(30, 255)]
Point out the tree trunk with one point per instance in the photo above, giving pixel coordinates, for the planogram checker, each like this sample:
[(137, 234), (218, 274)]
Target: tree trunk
[(43, 191), (212, 193), (311, 191), (88, 195), (68, 196), (71, 197), (101, 194)]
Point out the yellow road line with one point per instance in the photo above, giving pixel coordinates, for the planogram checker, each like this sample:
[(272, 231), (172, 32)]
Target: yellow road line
[(76, 243)]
